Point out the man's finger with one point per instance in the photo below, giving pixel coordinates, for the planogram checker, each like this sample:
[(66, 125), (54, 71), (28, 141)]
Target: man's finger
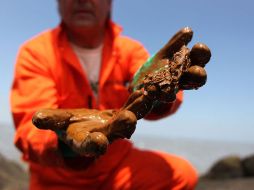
[(200, 54), (95, 145), (194, 78), (53, 119), (182, 37), (81, 139), (122, 125)]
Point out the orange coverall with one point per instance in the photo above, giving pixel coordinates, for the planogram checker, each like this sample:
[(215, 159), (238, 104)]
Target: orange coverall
[(49, 75)]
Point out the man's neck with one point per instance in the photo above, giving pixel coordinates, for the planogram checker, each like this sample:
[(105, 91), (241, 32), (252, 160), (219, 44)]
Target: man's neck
[(86, 38)]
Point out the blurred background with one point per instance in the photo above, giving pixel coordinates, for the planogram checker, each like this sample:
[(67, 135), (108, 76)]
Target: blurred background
[(214, 121)]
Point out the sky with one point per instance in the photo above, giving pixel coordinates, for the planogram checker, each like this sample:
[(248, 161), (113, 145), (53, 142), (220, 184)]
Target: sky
[(221, 110)]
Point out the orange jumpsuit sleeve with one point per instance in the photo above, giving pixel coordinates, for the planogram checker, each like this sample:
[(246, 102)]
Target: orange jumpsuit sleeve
[(33, 88), (139, 57)]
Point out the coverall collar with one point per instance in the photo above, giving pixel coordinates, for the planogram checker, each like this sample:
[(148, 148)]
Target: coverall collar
[(109, 51)]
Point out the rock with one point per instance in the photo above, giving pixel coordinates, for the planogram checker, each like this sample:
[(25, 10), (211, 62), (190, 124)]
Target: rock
[(226, 184), (12, 175), (226, 168), (248, 165)]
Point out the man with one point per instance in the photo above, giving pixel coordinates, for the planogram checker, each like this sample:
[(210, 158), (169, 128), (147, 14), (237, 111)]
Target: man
[(86, 63)]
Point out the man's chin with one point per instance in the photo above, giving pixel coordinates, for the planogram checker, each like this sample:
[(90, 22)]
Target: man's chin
[(84, 25), (81, 23), (83, 19)]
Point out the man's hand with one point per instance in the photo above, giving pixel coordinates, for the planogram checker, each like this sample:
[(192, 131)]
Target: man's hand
[(87, 132), (185, 65), (174, 67)]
